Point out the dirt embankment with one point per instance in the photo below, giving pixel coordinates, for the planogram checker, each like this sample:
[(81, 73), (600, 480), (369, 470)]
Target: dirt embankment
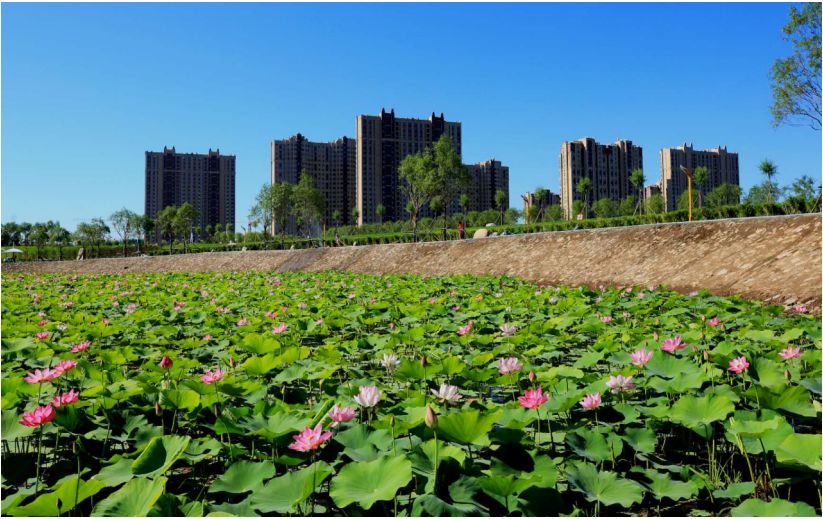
[(776, 259)]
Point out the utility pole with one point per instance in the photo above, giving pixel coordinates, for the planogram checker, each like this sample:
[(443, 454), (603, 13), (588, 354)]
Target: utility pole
[(688, 172)]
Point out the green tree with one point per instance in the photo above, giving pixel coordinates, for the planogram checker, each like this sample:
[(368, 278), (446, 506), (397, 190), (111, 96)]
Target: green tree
[(724, 194), (308, 204), (282, 202), (39, 236), (638, 180), (539, 199), (683, 201), (701, 178), (336, 216), (10, 234), (121, 220), (165, 222), (464, 205), (263, 208), (628, 206), (500, 202), (59, 237), (796, 79), (763, 193), (584, 185), (603, 208), (149, 224), (451, 178), (554, 213), (512, 215), (380, 210), (769, 170), (804, 187), (418, 177), (183, 222), (210, 232), (354, 214), (655, 204)]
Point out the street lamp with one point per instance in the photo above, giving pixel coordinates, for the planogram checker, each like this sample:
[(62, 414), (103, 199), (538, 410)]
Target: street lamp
[(688, 172)]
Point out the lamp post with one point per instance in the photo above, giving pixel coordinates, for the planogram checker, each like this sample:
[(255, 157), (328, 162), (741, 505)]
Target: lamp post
[(688, 172)]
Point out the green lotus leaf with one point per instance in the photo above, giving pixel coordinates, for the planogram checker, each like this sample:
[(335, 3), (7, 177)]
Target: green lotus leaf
[(135, 499), (243, 476), (735, 490), (803, 449), (283, 493), (594, 445), (697, 413), (366, 482), (640, 439), (602, 485), (468, 427), (662, 486), (774, 508), (183, 399), (159, 455)]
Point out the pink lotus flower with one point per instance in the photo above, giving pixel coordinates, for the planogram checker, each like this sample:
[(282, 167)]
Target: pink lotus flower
[(166, 362), (105, 322), (671, 345), (714, 321), (620, 383), (447, 393), (210, 377), (284, 309), (433, 300), (221, 310), (242, 322), (41, 415), (302, 306), (65, 365), (738, 365), (41, 336), (508, 330), (801, 309), (368, 397), (463, 330), (44, 375), (318, 322), (509, 365), (310, 439), (456, 308), (592, 401), (77, 348), (41, 314), (271, 315), (207, 338), (533, 398), (606, 318), (42, 323), (341, 414), (641, 357), (791, 353), (280, 328), (65, 399), (552, 300)]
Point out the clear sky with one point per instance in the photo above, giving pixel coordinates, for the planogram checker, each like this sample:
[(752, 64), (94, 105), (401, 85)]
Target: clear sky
[(87, 88)]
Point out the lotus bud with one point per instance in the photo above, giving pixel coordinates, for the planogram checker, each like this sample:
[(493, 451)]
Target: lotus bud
[(531, 376), (703, 318), (166, 362), (424, 361), (706, 355), (787, 375), (391, 420), (656, 336), (431, 417), (231, 362), (702, 334), (157, 409)]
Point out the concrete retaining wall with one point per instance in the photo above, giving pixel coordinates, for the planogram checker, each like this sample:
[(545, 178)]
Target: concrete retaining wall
[(777, 259)]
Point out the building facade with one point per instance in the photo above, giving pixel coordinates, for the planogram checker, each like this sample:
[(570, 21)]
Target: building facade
[(487, 178), (722, 167), (383, 141), (204, 180), (607, 166), (332, 165)]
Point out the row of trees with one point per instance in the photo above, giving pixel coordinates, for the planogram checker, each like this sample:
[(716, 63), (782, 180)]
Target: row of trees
[(276, 204)]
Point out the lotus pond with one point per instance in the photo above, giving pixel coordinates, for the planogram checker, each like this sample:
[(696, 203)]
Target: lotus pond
[(341, 394)]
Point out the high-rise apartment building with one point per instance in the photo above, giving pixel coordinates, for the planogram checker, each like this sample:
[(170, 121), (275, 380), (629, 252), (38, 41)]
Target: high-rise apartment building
[(383, 141), (205, 180), (487, 178), (607, 166), (332, 165), (722, 167)]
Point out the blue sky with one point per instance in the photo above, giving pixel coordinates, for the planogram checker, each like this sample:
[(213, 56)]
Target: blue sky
[(87, 88)]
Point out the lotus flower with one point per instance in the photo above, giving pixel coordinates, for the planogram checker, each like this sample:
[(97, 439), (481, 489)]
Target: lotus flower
[(801, 309), (714, 321), (389, 361), (592, 401), (791, 353), (368, 397), (433, 300), (509, 365), (738, 365), (65, 399), (77, 348), (447, 393), (207, 338), (166, 362), (65, 365), (211, 377), (242, 322), (41, 336), (310, 439), (606, 319), (533, 398), (44, 375), (280, 328), (42, 322), (671, 345), (341, 415), (620, 383), (41, 415), (302, 305), (508, 330), (465, 329), (552, 300)]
